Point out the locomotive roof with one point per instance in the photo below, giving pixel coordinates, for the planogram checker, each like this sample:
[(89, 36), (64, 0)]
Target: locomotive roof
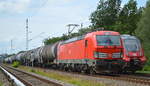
[(105, 33), (74, 39), (92, 33), (128, 37)]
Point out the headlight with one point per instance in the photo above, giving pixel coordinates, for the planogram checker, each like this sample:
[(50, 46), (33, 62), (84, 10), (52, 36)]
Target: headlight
[(96, 55), (100, 55), (116, 55)]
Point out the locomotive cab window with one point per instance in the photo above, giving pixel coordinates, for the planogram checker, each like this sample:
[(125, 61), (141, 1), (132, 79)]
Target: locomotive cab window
[(103, 40), (132, 45)]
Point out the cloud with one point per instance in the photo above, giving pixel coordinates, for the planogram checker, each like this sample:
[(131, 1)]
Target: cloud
[(49, 16), (14, 6)]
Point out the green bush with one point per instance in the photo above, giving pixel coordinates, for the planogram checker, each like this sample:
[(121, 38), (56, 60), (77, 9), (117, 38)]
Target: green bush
[(32, 70), (16, 64), (1, 84), (146, 68)]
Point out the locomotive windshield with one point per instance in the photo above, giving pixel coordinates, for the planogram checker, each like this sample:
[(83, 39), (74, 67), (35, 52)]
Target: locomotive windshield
[(132, 45), (103, 40)]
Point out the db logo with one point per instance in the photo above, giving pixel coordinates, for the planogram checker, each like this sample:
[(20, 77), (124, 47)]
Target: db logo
[(109, 55), (134, 54)]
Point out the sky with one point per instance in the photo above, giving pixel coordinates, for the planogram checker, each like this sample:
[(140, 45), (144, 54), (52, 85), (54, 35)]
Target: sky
[(47, 18)]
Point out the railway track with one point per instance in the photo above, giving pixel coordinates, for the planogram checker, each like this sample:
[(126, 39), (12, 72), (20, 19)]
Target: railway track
[(28, 79), (142, 74), (136, 78), (5, 80), (133, 78), (129, 78)]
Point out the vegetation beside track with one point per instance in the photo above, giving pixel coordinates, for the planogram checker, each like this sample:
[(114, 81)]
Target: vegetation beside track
[(1, 84), (16, 64), (146, 69), (61, 77)]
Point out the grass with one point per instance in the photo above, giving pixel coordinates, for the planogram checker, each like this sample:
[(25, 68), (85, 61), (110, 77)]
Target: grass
[(146, 69), (16, 64), (64, 78), (146, 72), (1, 84)]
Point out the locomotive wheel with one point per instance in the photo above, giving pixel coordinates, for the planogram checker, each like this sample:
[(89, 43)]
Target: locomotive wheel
[(84, 71), (133, 72), (92, 71), (66, 69)]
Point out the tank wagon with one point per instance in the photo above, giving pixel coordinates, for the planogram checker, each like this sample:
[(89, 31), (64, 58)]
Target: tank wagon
[(19, 56), (94, 52), (45, 55), (9, 59), (49, 52), (12, 58), (133, 53)]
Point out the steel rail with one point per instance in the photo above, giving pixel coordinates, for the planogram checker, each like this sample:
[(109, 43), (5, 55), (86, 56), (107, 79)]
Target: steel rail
[(29, 83), (12, 77)]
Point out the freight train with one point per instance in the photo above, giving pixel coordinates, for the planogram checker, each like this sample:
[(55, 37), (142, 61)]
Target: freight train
[(95, 52)]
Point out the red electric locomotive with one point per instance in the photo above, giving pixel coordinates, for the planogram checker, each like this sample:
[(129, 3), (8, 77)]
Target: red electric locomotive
[(94, 52), (133, 54)]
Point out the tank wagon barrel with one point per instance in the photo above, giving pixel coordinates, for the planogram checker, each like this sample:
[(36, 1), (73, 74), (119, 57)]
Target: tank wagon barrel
[(49, 51), (19, 56)]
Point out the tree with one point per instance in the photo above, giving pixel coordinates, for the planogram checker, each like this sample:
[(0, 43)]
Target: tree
[(111, 16), (144, 28), (148, 3), (52, 40), (106, 14), (128, 18)]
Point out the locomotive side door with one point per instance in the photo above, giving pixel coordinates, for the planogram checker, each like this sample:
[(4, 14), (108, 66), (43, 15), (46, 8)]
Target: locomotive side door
[(86, 49)]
